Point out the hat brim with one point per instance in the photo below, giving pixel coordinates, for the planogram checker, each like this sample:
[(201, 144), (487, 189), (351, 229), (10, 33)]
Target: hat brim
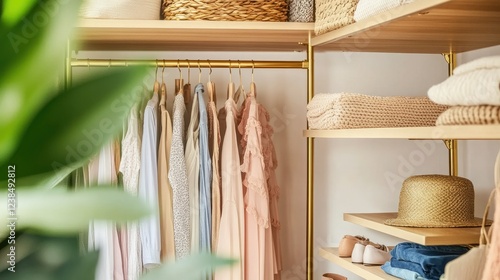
[(399, 222)]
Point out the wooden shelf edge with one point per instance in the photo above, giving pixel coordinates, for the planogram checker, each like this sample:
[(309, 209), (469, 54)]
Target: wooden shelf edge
[(374, 21), (459, 132), (424, 236), (367, 272), (195, 24)]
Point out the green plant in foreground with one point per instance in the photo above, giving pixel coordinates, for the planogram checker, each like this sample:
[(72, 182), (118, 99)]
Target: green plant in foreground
[(40, 128)]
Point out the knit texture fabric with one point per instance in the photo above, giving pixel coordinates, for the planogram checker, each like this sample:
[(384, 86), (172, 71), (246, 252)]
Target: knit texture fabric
[(352, 110)]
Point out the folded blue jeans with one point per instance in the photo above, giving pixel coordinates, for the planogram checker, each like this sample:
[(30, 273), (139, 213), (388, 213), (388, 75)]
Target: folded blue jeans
[(428, 261), (401, 272)]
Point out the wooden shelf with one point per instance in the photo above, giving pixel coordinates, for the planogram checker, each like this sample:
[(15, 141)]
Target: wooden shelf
[(430, 26), (461, 132), (367, 272), (424, 236), (108, 34)]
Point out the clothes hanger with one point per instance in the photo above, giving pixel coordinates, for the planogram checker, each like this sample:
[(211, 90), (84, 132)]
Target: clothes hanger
[(230, 87), (187, 87), (157, 84), (163, 98), (240, 89), (210, 85), (178, 82), (253, 88)]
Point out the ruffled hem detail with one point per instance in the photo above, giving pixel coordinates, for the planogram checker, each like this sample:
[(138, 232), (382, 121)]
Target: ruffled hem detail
[(260, 221), (257, 185)]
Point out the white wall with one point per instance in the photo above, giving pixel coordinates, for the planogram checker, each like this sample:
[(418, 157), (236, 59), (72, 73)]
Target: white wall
[(350, 175)]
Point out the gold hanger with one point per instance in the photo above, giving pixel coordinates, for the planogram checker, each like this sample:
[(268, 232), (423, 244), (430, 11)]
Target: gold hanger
[(178, 82), (210, 85), (163, 97), (230, 87), (253, 89), (240, 89), (187, 87), (156, 86), (199, 75)]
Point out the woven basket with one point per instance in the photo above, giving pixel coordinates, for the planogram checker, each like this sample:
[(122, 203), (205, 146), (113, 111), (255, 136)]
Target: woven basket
[(351, 110), (301, 10), (333, 14), (225, 10), (121, 9), (470, 115)]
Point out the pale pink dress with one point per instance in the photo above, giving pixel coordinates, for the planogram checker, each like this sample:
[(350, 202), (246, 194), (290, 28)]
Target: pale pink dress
[(231, 239), (259, 255)]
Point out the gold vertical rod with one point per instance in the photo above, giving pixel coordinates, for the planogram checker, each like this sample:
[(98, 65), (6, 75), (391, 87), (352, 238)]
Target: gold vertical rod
[(452, 144), (310, 168), (68, 67)]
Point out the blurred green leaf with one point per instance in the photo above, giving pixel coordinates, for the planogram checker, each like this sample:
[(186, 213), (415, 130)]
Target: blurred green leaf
[(188, 268), (49, 258), (74, 124), (30, 54), (12, 11), (60, 211)]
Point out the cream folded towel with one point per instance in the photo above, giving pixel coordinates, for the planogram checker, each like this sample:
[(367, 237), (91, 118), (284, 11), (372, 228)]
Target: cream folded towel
[(488, 62), (479, 86)]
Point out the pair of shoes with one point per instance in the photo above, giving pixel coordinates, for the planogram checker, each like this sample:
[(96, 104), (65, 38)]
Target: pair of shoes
[(333, 276), (347, 244), (370, 254)]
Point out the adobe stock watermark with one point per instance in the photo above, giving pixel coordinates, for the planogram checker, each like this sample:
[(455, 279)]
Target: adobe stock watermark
[(31, 26), (93, 136), (417, 157)]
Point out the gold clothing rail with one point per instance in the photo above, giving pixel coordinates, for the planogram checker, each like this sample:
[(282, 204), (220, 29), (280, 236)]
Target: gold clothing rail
[(191, 63)]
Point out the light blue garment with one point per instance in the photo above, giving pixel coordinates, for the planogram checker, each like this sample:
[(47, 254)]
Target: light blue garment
[(401, 272), (205, 177)]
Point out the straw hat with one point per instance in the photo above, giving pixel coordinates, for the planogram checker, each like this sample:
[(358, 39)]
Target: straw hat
[(436, 201)]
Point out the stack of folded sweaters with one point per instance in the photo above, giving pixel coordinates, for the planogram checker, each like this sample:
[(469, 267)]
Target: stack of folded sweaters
[(473, 92), (352, 110), (414, 261)]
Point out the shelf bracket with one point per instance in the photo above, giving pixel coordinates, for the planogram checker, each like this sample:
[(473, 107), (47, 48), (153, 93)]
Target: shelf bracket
[(452, 144)]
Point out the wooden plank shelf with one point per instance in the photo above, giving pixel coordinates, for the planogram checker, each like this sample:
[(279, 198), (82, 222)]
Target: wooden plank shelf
[(430, 26), (460, 132), (367, 272), (110, 34), (424, 236)]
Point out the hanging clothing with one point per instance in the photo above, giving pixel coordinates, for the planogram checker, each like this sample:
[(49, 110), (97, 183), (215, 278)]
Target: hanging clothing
[(102, 234), (231, 239), (164, 187), (259, 259), (148, 185), (192, 155), (205, 175), (179, 181), (130, 165), (271, 163), (214, 144)]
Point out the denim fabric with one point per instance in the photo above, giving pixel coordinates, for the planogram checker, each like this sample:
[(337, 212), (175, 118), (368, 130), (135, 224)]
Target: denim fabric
[(428, 261), (401, 272)]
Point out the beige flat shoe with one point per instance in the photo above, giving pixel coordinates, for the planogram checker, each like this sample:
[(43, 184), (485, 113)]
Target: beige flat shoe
[(333, 276), (347, 244)]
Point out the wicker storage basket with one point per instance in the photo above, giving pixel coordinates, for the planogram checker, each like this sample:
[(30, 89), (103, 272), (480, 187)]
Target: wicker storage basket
[(301, 10), (121, 9), (222, 10), (352, 110), (333, 14), (470, 115)]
